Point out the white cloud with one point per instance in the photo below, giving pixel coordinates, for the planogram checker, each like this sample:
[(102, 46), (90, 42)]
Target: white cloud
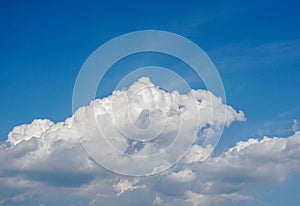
[(26, 132), (255, 161), (43, 162), (295, 126), (158, 200), (125, 185), (182, 176), (210, 199), (198, 153)]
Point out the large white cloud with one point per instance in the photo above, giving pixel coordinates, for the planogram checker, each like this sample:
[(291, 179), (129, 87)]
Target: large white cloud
[(44, 163)]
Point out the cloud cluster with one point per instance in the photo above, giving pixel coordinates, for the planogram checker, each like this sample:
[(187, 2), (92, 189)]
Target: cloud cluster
[(43, 163), (154, 128)]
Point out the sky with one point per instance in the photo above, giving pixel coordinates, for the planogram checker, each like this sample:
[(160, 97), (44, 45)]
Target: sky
[(254, 45)]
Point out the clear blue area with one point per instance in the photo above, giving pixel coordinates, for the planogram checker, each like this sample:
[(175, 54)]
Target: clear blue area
[(254, 44)]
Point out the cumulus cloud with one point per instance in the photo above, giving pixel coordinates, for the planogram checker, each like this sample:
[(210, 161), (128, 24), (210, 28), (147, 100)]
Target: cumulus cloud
[(125, 185), (43, 163), (152, 120)]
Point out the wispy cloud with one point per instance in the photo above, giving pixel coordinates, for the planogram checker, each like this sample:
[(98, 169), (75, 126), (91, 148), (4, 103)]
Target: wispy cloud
[(244, 56)]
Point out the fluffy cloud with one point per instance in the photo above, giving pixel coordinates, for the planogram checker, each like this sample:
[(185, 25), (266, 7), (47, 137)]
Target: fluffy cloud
[(43, 163), (159, 126)]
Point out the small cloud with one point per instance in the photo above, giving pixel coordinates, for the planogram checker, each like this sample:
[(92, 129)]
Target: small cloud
[(126, 185), (158, 200), (295, 126)]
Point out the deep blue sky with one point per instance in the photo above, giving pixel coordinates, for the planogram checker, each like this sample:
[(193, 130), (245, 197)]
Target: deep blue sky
[(255, 45)]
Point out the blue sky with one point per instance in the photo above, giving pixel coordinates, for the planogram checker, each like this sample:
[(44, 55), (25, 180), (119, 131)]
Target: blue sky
[(255, 46)]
